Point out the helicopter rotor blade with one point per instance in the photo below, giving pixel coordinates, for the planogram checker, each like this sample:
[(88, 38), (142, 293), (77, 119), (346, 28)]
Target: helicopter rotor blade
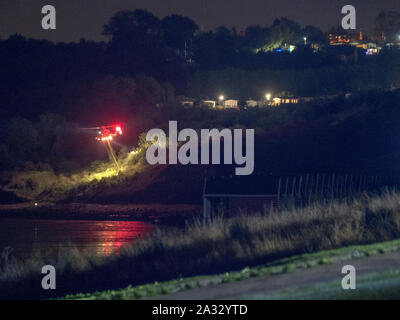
[(95, 128), (102, 127)]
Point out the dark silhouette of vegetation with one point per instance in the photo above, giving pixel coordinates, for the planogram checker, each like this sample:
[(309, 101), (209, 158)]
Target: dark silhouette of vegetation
[(48, 91), (387, 26)]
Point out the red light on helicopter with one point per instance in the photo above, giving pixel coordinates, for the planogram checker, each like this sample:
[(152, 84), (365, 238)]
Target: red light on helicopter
[(107, 133)]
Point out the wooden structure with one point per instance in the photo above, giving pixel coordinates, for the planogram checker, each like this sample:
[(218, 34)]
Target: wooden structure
[(233, 195)]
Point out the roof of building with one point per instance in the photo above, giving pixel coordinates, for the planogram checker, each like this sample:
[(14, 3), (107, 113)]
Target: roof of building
[(252, 185)]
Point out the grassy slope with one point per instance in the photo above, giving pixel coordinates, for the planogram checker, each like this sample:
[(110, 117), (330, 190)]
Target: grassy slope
[(287, 265), (154, 185), (138, 183)]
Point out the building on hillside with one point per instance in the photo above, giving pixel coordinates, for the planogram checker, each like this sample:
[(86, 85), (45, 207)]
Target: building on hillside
[(345, 38), (253, 103), (187, 102), (208, 103), (372, 48), (278, 101), (358, 40), (231, 103), (233, 195)]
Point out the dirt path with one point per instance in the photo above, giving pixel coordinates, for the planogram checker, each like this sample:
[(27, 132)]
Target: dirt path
[(299, 278)]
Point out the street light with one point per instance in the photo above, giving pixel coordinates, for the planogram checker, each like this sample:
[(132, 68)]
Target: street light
[(221, 100), (268, 96), (305, 40)]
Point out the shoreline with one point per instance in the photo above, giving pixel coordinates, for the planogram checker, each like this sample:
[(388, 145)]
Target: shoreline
[(171, 214)]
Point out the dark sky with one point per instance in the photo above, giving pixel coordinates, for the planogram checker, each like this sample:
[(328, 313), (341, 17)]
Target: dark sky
[(84, 18)]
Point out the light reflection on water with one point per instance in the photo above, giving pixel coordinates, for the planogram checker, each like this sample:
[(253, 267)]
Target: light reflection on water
[(105, 237)]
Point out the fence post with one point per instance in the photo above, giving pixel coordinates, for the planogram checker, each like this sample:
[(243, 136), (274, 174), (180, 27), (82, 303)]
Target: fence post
[(279, 188), (325, 187), (286, 187), (310, 190), (293, 185), (316, 185)]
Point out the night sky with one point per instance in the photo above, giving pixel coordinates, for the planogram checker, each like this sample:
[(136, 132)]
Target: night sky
[(78, 19)]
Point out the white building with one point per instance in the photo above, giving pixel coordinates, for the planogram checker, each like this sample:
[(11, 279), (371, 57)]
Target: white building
[(252, 103), (208, 103), (231, 103)]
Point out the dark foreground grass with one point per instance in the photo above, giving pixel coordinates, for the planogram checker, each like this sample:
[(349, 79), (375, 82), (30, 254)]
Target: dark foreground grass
[(383, 284), (211, 247), (374, 286)]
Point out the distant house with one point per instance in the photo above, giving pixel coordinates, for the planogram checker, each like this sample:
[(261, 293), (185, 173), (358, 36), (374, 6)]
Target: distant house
[(188, 102), (252, 103), (290, 100), (372, 48), (345, 38), (358, 40), (278, 101), (240, 194), (231, 103), (208, 103)]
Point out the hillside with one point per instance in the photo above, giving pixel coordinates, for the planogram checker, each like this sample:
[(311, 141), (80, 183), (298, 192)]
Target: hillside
[(158, 184), (356, 135)]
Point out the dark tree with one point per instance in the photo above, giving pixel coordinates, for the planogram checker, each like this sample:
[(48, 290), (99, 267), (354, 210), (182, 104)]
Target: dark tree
[(179, 32), (387, 26), (255, 38), (131, 24), (287, 31), (315, 35)]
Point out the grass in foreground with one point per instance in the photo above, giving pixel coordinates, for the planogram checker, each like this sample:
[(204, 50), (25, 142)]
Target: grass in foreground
[(374, 286), (382, 283), (212, 247)]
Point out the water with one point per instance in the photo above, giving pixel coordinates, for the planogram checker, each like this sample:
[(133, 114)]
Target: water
[(105, 237)]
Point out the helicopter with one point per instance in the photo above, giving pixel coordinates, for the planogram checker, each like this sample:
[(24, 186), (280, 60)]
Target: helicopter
[(106, 134)]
